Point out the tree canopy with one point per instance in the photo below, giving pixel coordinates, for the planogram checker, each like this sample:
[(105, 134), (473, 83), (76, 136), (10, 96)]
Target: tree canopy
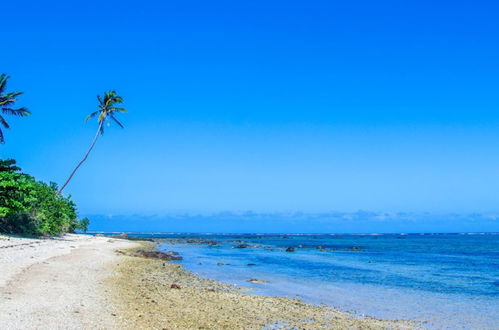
[(31, 207)]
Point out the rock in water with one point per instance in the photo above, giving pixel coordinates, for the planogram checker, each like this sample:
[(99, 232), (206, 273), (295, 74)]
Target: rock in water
[(157, 255), (255, 280)]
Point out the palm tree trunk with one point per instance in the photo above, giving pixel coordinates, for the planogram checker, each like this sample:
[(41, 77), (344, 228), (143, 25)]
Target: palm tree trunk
[(82, 161)]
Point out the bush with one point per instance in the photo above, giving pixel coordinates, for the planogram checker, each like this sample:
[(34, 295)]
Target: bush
[(32, 207)]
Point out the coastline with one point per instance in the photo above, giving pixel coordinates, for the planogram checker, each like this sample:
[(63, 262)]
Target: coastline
[(426, 278), (81, 281), (156, 294)]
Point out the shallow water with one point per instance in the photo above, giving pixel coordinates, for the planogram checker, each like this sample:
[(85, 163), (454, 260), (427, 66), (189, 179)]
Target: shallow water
[(446, 280)]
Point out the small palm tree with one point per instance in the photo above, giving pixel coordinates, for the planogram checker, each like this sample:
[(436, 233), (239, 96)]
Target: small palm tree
[(7, 100), (8, 165), (107, 110)]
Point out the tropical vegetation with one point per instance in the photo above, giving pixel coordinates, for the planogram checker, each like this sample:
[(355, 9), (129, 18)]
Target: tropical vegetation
[(32, 207)]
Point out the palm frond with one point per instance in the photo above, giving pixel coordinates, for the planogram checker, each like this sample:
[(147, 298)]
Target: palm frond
[(110, 98), (6, 102), (118, 109), (107, 97), (3, 82), (4, 122), (12, 95), (117, 99), (21, 112), (9, 98), (116, 121), (92, 115)]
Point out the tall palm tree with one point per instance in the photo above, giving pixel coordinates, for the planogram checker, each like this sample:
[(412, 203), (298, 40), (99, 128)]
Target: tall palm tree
[(7, 100), (106, 111)]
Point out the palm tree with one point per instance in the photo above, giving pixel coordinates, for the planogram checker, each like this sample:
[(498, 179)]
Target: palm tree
[(8, 165), (107, 110), (7, 100)]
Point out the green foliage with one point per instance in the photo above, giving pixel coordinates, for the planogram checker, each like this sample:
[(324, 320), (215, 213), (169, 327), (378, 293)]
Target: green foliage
[(33, 207), (8, 165), (7, 101), (83, 225)]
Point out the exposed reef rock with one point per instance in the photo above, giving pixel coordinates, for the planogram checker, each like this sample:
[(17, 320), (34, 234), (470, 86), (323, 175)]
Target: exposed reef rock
[(171, 255)]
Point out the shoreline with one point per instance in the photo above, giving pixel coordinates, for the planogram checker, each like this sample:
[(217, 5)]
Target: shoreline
[(153, 293), (83, 281)]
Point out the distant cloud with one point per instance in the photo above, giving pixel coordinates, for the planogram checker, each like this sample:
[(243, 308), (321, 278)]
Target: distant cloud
[(299, 222)]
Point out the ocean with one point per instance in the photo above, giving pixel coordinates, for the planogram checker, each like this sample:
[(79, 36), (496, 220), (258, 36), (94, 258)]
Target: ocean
[(443, 280)]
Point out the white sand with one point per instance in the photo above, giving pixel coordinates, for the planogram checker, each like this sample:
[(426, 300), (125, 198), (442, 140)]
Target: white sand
[(57, 283)]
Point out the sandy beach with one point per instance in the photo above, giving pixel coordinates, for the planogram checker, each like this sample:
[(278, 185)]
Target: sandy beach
[(85, 282), (57, 283)]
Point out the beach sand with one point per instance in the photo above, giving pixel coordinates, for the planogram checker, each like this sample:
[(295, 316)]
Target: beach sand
[(57, 283), (85, 282), (154, 294)]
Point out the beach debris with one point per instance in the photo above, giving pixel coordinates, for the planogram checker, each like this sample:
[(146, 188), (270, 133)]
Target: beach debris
[(174, 286), (290, 249)]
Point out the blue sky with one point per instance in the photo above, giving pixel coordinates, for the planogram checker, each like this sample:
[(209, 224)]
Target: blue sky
[(270, 106)]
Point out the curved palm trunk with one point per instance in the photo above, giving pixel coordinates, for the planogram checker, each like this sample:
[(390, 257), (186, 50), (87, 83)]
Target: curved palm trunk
[(82, 161)]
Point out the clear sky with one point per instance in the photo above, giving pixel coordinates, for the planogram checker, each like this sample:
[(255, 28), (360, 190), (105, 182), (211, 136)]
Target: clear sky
[(269, 106)]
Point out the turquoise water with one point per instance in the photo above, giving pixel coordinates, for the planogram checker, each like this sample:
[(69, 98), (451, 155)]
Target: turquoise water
[(445, 280)]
